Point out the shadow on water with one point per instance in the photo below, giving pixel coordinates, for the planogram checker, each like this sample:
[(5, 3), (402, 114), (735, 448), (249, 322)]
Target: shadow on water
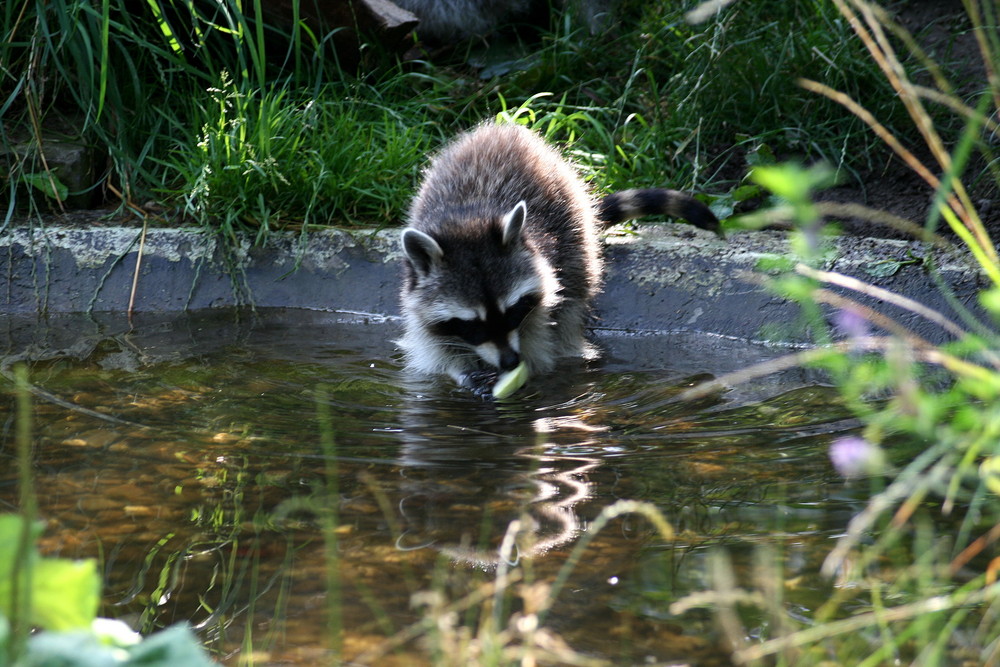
[(187, 456)]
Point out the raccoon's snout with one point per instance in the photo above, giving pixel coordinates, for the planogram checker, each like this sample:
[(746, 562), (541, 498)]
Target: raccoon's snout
[(500, 355), (509, 359)]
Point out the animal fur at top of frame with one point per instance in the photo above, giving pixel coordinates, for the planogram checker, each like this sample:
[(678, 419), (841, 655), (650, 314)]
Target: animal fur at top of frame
[(447, 21), (502, 258)]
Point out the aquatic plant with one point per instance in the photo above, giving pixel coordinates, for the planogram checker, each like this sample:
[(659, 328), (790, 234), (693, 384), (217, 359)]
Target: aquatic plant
[(60, 597), (49, 606)]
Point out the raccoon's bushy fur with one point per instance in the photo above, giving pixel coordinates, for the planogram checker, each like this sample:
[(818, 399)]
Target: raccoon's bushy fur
[(448, 21), (452, 20), (502, 257)]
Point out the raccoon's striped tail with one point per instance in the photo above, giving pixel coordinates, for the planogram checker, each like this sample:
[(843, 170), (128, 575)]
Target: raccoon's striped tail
[(628, 204)]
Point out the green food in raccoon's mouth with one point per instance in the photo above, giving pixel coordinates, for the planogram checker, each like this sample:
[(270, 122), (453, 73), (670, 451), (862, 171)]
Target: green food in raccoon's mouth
[(510, 381)]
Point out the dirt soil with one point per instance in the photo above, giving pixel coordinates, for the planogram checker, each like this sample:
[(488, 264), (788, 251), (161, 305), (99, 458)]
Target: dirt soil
[(943, 29)]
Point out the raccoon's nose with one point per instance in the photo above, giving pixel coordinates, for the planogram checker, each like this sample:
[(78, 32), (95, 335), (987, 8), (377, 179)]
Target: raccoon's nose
[(509, 359)]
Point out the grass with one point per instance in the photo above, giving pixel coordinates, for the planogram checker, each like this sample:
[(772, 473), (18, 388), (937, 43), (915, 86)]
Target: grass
[(279, 160), (232, 125)]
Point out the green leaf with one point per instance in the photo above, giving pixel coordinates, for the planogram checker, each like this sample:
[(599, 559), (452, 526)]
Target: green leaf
[(761, 155), (66, 593), (745, 192), (722, 207), (889, 267), (991, 300), (792, 182), (78, 648), (10, 534), (4, 640), (10, 540), (176, 645), (884, 268), (989, 472), (784, 180), (48, 183), (775, 264)]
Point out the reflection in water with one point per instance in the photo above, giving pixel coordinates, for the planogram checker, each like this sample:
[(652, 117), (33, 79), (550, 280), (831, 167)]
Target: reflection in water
[(195, 472), (533, 485)]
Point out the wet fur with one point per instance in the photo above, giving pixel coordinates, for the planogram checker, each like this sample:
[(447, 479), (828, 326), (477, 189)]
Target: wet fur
[(470, 247)]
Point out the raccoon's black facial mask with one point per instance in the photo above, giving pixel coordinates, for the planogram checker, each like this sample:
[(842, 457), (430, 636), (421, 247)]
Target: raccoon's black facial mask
[(496, 327), (473, 332), (514, 315)]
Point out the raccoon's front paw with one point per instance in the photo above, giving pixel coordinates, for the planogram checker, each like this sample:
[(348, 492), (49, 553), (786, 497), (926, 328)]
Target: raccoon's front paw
[(480, 383)]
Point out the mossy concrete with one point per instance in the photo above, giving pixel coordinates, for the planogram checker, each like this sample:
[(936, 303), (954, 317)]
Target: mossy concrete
[(662, 278)]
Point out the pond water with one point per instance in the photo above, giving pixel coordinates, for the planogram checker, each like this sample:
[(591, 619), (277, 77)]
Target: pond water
[(272, 480)]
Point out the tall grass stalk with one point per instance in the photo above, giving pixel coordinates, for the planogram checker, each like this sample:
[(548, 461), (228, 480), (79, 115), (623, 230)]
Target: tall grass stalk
[(959, 212), (480, 629), (914, 579), (20, 611)]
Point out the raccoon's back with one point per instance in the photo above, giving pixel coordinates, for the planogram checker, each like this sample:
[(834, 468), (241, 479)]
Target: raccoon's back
[(485, 172), (451, 20)]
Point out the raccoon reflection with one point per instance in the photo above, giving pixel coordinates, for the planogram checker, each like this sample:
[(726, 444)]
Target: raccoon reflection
[(501, 256)]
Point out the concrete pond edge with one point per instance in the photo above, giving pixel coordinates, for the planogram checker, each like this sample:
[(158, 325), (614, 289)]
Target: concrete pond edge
[(662, 278)]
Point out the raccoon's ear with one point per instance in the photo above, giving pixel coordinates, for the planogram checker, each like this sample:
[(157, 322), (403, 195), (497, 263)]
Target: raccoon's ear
[(421, 249), (513, 222)]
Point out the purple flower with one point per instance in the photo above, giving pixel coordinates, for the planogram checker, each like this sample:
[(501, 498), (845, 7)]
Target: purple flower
[(853, 457), (851, 323)]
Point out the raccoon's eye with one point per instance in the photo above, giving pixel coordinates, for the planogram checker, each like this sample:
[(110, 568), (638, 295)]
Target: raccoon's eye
[(472, 332), (516, 313)]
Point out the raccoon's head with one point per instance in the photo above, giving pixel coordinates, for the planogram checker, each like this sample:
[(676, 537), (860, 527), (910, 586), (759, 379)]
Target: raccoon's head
[(479, 294)]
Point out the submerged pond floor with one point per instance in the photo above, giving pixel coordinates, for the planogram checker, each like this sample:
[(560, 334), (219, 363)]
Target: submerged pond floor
[(272, 480)]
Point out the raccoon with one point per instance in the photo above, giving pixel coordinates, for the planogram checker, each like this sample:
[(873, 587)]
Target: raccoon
[(502, 257), (450, 21)]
